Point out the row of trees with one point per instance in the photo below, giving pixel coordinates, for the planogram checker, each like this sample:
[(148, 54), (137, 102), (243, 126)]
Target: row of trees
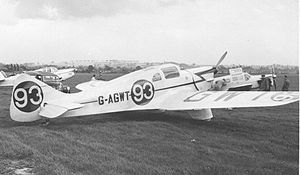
[(106, 68), (15, 68), (90, 69)]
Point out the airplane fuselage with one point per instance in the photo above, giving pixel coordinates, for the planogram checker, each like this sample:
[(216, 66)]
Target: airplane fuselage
[(137, 89)]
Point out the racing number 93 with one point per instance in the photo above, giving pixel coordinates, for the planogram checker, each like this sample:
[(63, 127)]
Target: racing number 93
[(27, 96), (142, 92)]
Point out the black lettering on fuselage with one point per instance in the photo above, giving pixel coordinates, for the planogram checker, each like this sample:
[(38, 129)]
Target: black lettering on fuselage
[(116, 97), (100, 100), (121, 96), (127, 95), (110, 99)]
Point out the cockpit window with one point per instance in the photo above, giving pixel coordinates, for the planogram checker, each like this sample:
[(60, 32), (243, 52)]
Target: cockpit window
[(170, 72), (237, 78), (50, 78), (156, 77)]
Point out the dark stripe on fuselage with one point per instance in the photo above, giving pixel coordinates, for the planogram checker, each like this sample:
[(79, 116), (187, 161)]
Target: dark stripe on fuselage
[(89, 102), (194, 82)]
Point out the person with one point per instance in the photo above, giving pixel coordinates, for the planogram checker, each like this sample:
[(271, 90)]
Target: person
[(274, 82), (265, 84), (268, 84), (286, 84), (100, 76), (262, 84), (93, 78), (219, 85)]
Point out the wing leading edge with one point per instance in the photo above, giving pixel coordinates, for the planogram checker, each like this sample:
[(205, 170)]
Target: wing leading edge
[(228, 99)]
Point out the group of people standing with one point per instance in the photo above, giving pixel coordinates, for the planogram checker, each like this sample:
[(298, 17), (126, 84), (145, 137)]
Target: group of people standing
[(267, 83)]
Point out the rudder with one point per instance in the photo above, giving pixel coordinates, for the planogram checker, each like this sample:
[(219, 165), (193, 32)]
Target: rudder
[(28, 95)]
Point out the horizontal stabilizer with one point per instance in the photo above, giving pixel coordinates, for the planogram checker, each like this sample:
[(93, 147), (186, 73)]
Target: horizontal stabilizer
[(51, 110), (90, 84)]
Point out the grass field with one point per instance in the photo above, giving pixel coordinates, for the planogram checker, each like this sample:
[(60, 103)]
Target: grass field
[(242, 141)]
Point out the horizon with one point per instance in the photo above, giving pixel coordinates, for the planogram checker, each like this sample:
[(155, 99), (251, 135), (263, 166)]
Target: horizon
[(139, 62)]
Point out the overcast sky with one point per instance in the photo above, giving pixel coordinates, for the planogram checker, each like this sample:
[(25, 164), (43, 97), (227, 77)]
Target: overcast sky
[(189, 31)]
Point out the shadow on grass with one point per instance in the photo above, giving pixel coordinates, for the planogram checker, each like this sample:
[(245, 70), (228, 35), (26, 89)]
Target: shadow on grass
[(183, 120), (123, 117)]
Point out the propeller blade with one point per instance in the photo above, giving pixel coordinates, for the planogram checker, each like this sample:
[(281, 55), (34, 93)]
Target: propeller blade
[(221, 59), (273, 69)]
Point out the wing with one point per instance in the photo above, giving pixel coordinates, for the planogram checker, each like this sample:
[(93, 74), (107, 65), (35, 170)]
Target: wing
[(226, 99), (177, 101)]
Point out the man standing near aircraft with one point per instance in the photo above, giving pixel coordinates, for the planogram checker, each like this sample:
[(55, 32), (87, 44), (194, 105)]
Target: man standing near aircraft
[(286, 84), (265, 83)]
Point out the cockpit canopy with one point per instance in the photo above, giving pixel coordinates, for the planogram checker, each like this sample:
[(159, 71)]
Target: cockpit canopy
[(170, 72), (167, 71), (48, 69)]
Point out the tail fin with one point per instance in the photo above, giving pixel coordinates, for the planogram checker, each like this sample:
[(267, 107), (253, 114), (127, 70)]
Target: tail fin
[(28, 95)]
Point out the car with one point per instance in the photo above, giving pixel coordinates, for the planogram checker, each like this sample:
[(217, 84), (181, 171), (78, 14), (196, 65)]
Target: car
[(51, 80)]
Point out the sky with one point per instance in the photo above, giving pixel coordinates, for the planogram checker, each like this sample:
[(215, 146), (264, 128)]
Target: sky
[(254, 32)]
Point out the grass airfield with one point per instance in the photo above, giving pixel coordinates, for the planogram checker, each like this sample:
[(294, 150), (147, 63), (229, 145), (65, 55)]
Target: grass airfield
[(242, 141)]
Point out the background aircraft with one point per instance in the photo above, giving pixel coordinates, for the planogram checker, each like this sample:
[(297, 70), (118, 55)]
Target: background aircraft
[(159, 88), (63, 74), (238, 80)]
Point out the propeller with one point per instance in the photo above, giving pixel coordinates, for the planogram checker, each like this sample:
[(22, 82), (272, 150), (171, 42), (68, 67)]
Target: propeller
[(219, 62), (273, 71)]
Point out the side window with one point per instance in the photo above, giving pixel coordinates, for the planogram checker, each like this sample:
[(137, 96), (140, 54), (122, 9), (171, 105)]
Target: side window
[(39, 77), (247, 76), (156, 77), (49, 78), (170, 72), (237, 78)]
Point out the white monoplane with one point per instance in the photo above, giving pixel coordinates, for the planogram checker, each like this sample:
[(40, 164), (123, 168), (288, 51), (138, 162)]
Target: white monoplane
[(63, 74), (159, 88), (238, 80)]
